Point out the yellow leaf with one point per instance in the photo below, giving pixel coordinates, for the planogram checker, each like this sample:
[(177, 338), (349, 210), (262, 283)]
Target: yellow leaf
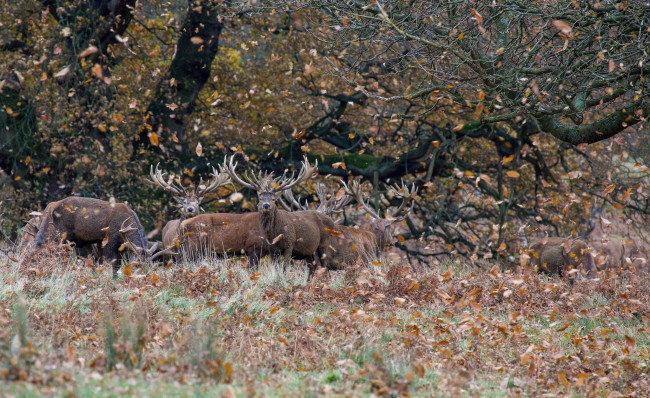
[(500, 51), (339, 164), (333, 232), (561, 378), (153, 138), (354, 248), (127, 269), (376, 263), (27, 160), (507, 159), (300, 134)]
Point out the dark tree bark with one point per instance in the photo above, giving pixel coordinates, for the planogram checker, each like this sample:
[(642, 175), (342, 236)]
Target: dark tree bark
[(176, 94)]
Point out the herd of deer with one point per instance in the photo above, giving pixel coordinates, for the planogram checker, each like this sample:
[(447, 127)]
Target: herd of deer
[(291, 232)]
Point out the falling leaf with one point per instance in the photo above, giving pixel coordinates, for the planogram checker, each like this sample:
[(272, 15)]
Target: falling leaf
[(626, 196), (333, 232), (630, 343), (575, 174), (196, 40), (507, 159), (512, 174), (27, 160), (609, 189), (97, 71), (127, 270), (611, 66), (199, 150), (277, 239), (562, 26), (62, 72), (153, 138), (499, 51), (354, 247), (339, 194), (561, 378), (339, 164), (376, 263), (133, 103), (90, 50), (479, 18), (299, 135)]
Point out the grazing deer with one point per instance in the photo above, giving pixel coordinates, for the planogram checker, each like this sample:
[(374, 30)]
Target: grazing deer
[(188, 202), (298, 234), (30, 229), (560, 255), (85, 221)]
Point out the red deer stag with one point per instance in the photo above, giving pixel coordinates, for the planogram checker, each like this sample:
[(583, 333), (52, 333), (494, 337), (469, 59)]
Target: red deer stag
[(188, 202), (350, 244), (31, 229), (298, 234), (559, 255), (85, 221)]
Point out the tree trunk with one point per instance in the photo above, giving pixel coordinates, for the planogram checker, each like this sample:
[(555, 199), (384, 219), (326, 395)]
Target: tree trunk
[(169, 113)]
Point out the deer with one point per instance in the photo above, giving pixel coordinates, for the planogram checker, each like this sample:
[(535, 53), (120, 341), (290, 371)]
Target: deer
[(351, 243), (86, 221), (555, 255), (189, 202), (347, 244), (300, 234), (30, 229)]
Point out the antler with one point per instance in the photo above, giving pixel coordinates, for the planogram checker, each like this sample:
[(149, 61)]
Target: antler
[(306, 171), (219, 178), (127, 243), (158, 179), (407, 196), (292, 203), (262, 181), (230, 166), (354, 190), (331, 205)]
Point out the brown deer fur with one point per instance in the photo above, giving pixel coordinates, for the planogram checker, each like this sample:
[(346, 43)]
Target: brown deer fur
[(298, 234), (30, 230), (225, 234), (348, 244), (558, 255), (85, 221)]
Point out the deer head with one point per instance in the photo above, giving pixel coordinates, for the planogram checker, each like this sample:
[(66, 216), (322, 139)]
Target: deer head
[(189, 201), (268, 187), (381, 224)]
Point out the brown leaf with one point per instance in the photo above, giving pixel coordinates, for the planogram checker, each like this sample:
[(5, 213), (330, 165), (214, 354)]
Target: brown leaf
[(512, 174), (562, 26), (479, 18), (277, 239), (90, 50), (609, 189), (333, 232)]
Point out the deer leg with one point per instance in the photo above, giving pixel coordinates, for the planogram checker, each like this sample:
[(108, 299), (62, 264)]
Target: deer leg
[(113, 255)]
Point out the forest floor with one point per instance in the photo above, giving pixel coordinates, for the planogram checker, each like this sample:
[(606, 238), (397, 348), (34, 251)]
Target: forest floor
[(215, 328)]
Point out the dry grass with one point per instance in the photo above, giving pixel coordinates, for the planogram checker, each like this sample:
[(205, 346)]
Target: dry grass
[(213, 327)]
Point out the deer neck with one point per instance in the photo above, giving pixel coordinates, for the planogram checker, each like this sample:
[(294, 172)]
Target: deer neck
[(269, 222)]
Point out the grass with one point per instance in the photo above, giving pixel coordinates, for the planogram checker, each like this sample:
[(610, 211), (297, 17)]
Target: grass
[(212, 327)]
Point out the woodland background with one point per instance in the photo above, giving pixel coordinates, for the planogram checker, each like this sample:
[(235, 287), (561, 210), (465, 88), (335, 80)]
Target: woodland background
[(503, 113), (516, 119)]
